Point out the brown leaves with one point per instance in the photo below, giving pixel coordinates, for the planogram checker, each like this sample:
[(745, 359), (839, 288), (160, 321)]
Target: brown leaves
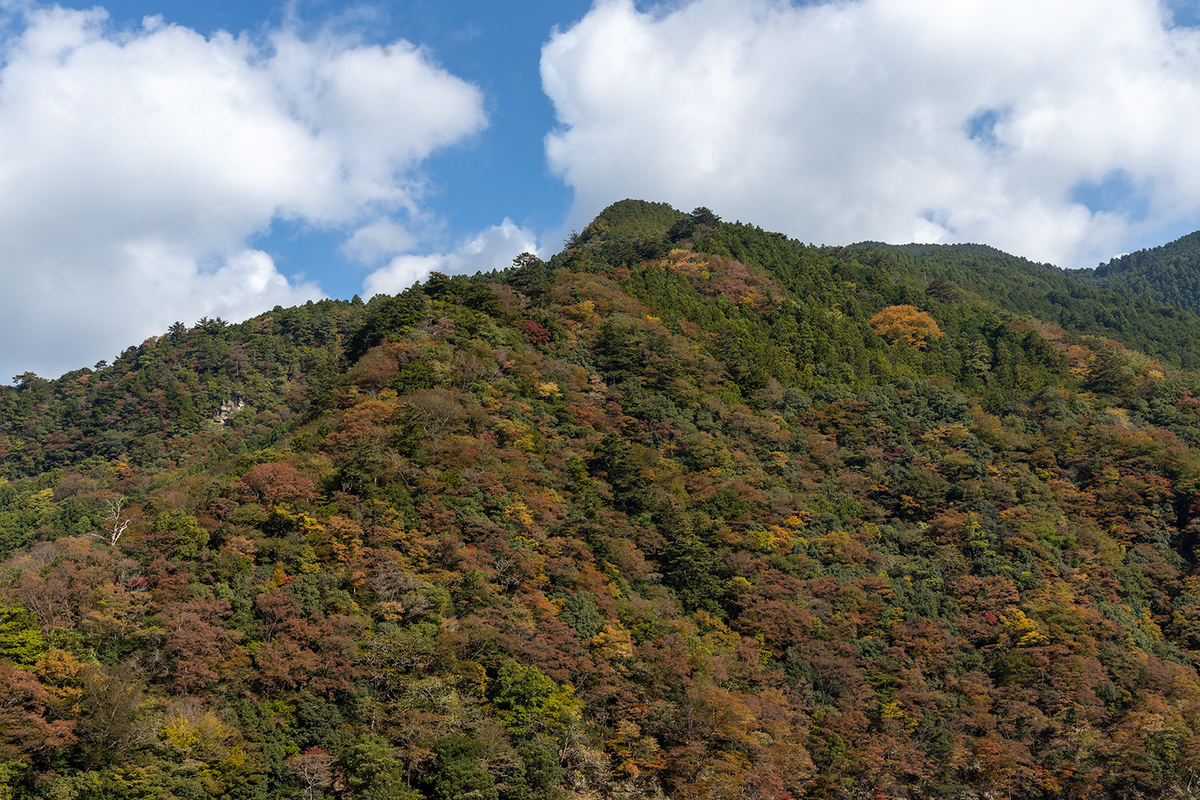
[(274, 483), (197, 640), (24, 729)]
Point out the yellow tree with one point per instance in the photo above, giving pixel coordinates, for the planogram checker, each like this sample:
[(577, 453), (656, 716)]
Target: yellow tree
[(905, 322)]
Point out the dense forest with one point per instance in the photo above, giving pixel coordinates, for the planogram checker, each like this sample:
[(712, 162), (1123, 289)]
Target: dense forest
[(1168, 274), (691, 510)]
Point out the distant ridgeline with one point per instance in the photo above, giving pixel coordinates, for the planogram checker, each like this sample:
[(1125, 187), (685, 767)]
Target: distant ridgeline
[(690, 510), (1167, 274)]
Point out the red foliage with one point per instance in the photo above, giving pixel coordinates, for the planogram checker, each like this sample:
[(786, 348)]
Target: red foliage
[(535, 333), (276, 482), (197, 641), (23, 727)]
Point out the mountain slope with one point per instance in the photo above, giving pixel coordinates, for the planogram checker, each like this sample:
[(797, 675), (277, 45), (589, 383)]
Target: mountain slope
[(1058, 297), (691, 511), (1167, 274)]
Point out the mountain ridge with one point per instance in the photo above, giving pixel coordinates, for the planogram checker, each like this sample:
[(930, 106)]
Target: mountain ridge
[(1169, 273)]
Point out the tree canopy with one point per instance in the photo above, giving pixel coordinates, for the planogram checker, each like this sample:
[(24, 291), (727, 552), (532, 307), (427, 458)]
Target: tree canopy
[(690, 510)]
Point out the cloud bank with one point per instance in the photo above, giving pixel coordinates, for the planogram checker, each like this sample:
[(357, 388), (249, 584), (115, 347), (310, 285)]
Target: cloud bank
[(493, 249), (135, 165), (1060, 131)]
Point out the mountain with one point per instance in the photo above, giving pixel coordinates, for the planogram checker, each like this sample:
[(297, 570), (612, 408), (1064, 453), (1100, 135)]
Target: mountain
[(691, 510), (1167, 274)]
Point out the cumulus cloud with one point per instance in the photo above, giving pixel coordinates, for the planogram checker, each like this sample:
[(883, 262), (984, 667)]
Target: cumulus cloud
[(381, 238), (135, 165), (1060, 131), (493, 249)]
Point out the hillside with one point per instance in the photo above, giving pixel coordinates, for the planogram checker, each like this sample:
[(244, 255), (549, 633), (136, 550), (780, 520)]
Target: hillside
[(1168, 274), (691, 510), (1058, 297)]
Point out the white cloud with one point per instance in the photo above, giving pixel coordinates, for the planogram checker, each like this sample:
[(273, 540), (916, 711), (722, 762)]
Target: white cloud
[(838, 122), (492, 249), (136, 165), (381, 238)]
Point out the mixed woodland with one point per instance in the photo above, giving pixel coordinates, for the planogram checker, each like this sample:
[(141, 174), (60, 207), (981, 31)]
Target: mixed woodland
[(690, 510)]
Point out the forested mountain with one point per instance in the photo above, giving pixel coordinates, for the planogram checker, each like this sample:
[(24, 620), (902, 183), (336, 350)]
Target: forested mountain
[(1167, 274), (691, 510)]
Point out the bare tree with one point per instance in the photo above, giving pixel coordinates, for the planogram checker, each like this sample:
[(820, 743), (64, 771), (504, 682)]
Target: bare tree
[(439, 410), (115, 522), (314, 769)]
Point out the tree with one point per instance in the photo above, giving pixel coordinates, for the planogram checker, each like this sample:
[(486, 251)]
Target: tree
[(116, 522), (459, 775), (689, 567), (530, 276), (700, 223), (275, 482), (28, 380), (24, 731), (313, 768), (705, 216), (195, 638), (20, 638), (372, 771), (906, 323), (613, 457), (179, 533), (528, 700), (579, 611), (112, 721), (1108, 371)]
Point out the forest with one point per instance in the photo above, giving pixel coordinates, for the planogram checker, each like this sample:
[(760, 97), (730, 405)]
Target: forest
[(1166, 274), (691, 510)]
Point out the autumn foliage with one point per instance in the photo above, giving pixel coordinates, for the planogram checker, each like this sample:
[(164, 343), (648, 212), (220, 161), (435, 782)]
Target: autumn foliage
[(905, 323), (672, 515)]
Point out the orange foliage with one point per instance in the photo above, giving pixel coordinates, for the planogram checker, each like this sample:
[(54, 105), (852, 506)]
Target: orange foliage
[(905, 322)]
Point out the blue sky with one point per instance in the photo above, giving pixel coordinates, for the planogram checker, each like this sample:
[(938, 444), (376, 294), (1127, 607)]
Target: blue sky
[(163, 162), (496, 46)]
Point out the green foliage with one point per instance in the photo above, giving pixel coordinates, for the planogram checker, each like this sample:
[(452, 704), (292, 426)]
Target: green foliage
[(614, 460), (1168, 274), (579, 611), (459, 771), (542, 776), (530, 276), (632, 220), (691, 569), (528, 701), (179, 529), (415, 375), (20, 637), (695, 226), (26, 510), (372, 771), (386, 315)]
